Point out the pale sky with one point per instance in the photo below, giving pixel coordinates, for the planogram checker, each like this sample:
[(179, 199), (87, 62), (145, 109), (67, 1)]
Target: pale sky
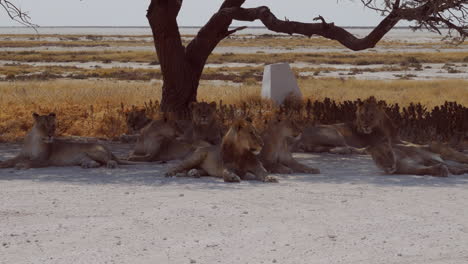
[(194, 12)]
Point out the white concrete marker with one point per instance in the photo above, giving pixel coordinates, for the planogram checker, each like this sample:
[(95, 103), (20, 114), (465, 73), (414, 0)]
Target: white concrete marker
[(279, 82)]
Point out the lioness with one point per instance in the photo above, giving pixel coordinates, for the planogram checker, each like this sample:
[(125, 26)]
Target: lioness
[(158, 142), (41, 149), (412, 159), (371, 118), (205, 127), (276, 155), (136, 119), (232, 160), (346, 138)]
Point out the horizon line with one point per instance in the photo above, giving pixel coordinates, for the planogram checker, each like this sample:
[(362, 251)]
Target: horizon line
[(256, 27)]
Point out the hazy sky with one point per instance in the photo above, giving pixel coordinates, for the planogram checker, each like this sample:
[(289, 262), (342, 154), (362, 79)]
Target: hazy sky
[(194, 12)]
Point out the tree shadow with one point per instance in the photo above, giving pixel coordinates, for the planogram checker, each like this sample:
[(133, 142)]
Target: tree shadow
[(335, 169), (360, 169)]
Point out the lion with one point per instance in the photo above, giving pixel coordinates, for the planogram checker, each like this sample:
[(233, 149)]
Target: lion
[(412, 159), (351, 137), (233, 160), (42, 149), (371, 119), (136, 119), (276, 155), (158, 141), (205, 128)]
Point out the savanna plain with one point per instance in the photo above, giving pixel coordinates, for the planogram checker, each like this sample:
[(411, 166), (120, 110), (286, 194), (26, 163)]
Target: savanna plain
[(350, 213)]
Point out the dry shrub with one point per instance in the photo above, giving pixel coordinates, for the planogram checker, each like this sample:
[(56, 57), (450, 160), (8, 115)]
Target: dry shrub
[(96, 108)]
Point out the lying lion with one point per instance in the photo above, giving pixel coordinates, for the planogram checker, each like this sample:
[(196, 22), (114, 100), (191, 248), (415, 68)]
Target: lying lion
[(232, 160), (41, 149), (276, 155), (158, 142), (347, 138), (412, 159)]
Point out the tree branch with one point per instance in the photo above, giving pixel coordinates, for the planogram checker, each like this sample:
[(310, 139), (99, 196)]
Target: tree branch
[(327, 30), (16, 14), (211, 34)]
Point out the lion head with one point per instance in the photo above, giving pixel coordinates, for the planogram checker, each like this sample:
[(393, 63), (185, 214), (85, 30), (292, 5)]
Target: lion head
[(45, 125), (136, 120), (383, 155), (203, 113), (370, 115), (241, 137), (283, 127)]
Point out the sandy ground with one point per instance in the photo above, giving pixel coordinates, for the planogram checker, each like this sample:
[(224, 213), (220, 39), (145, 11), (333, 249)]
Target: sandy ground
[(351, 213)]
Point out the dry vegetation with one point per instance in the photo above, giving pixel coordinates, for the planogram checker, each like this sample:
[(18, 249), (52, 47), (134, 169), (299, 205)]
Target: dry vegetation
[(357, 58), (246, 74), (92, 101), (96, 108)]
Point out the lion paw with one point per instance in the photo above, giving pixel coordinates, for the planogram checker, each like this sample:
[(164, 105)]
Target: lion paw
[(170, 174), (271, 179), (194, 173), (112, 164), (22, 166), (89, 164), (231, 177)]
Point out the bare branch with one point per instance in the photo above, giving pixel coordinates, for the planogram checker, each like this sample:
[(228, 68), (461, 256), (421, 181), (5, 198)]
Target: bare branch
[(327, 30), (433, 15), (16, 14)]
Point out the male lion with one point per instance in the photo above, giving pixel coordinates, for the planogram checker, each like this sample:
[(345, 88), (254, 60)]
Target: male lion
[(205, 128), (232, 160), (276, 155), (41, 149), (158, 142), (346, 138), (412, 159)]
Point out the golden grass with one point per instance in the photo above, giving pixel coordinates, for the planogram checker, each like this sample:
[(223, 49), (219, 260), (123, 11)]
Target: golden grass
[(94, 108)]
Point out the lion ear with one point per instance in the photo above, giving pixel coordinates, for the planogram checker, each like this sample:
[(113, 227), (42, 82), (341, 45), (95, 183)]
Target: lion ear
[(52, 115), (35, 115), (213, 105), (360, 102)]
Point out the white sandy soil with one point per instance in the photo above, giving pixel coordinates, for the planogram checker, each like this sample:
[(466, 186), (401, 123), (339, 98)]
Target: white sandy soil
[(351, 213)]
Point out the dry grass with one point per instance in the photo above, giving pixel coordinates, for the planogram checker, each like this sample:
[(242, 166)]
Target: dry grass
[(95, 108), (357, 58)]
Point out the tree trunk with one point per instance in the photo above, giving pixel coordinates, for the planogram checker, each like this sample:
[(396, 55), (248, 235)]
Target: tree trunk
[(179, 82), (182, 67)]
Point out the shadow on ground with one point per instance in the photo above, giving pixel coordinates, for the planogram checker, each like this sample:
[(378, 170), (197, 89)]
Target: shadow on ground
[(336, 169)]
